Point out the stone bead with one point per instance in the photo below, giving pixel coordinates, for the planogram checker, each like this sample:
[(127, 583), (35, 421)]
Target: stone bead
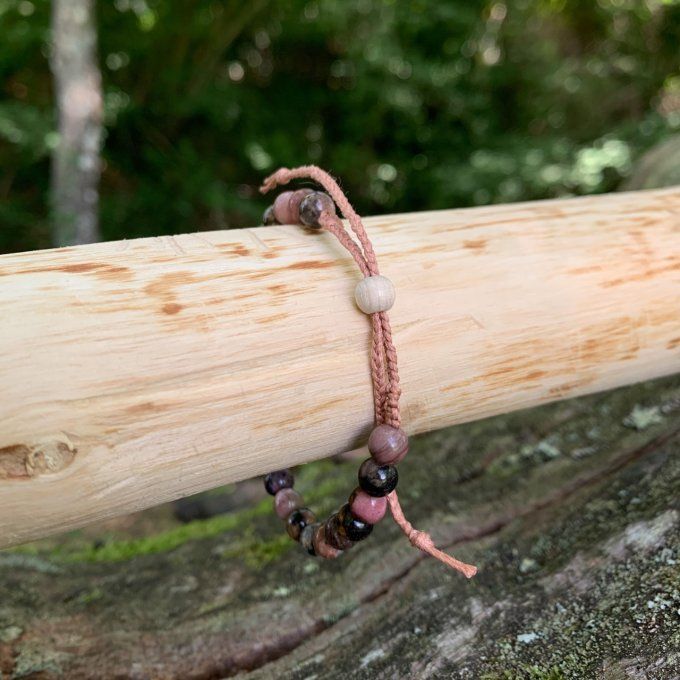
[(367, 508), (285, 501), (297, 521), (355, 528), (282, 210), (388, 445), (296, 201), (321, 546), (307, 538), (268, 217), (377, 480), (287, 206), (374, 294), (335, 534), (312, 206), (280, 479)]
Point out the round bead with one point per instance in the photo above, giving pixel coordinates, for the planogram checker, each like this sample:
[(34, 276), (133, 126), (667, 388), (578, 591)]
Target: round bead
[(377, 480), (295, 202), (282, 209), (321, 547), (355, 528), (388, 445), (307, 538), (285, 501), (374, 294), (312, 206), (297, 521), (335, 534), (287, 206), (367, 508), (275, 481), (268, 217)]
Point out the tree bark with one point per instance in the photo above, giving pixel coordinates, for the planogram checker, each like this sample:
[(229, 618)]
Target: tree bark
[(76, 164), (570, 510)]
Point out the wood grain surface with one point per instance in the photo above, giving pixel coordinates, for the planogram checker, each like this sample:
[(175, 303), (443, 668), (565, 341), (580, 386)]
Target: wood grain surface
[(136, 372)]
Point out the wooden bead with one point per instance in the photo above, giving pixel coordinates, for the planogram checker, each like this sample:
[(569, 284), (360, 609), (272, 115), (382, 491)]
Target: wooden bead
[(388, 445), (374, 294)]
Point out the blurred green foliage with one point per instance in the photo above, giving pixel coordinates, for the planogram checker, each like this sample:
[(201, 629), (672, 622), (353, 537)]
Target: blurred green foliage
[(414, 104)]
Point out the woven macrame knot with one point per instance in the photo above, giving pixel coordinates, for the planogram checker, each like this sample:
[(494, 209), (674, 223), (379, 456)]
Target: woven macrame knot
[(421, 540)]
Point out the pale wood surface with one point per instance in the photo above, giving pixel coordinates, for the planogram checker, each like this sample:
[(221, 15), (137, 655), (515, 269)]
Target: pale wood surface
[(136, 372)]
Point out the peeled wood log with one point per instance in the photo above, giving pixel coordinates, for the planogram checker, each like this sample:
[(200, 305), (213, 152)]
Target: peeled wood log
[(136, 372)]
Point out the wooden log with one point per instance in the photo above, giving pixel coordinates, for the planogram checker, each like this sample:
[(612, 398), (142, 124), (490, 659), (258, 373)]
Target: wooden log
[(136, 372)]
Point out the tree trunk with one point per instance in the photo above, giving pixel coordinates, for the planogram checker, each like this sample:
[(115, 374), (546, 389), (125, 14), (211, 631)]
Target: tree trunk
[(571, 511), (76, 163)]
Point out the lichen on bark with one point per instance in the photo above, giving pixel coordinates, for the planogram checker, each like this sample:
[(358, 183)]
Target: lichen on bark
[(571, 511)]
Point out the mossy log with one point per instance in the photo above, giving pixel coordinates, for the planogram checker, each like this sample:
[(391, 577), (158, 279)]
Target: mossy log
[(571, 511)]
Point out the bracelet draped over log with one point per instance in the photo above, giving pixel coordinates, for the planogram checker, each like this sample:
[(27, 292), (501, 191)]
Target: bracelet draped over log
[(136, 372)]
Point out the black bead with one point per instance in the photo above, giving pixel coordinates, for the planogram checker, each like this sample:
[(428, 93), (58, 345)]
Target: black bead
[(307, 538), (297, 521), (281, 479), (377, 480), (268, 217), (355, 528)]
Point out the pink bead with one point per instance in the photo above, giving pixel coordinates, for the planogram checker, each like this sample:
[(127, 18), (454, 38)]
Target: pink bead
[(295, 201), (388, 445), (287, 206), (367, 508), (282, 208), (285, 501)]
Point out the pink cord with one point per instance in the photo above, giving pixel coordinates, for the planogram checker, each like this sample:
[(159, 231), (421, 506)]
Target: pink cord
[(384, 370)]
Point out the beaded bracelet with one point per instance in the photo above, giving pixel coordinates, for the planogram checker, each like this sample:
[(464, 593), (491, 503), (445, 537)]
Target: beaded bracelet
[(388, 442)]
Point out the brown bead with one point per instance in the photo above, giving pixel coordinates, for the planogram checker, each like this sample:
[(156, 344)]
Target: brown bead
[(321, 547), (335, 534), (312, 206), (285, 501), (297, 521), (388, 445), (307, 538)]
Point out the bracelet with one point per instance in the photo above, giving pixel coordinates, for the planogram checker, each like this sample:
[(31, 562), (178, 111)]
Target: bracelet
[(388, 442)]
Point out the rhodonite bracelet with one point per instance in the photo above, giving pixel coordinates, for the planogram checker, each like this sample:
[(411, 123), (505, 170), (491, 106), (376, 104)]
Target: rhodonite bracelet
[(388, 442)]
